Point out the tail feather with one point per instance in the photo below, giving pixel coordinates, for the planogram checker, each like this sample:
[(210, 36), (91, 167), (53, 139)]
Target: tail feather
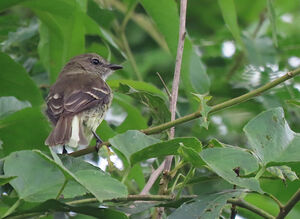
[(61, 133), (82, 138), (77, 134)]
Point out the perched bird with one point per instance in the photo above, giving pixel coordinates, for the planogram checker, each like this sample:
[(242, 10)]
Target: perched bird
[(78, 100)]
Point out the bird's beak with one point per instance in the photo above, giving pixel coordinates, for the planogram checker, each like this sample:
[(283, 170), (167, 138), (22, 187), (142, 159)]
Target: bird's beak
[(114, 67)]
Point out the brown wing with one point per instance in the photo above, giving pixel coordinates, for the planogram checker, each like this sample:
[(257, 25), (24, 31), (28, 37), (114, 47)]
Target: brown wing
[(55, 106), (64, 104), (83, 100)]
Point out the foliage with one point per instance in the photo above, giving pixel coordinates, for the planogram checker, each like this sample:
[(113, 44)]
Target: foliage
[(245, 157)]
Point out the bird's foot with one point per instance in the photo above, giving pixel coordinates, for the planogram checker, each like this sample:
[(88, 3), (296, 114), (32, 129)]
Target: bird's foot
[(98, 141), (64, 151)]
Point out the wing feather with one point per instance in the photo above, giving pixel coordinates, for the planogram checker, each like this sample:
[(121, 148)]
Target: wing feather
[(70, 103)]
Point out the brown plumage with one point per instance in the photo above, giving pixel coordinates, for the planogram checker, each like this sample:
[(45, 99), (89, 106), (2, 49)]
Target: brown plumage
[(77, 102)]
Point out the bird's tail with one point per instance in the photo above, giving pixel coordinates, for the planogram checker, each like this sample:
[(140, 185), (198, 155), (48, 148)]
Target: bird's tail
[(61, 133), (68, 131)]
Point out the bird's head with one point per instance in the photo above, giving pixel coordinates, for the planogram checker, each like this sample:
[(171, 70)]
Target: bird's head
[(90, 63)]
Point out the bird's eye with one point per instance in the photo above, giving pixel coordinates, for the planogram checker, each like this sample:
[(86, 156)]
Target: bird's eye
[(96, 62)]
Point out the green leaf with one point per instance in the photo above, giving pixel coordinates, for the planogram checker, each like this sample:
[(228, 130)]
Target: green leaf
[(215, 143), (230, 17), (92, 28), (191, 155), (51, 39), (25, 129), (137, 85), (223, 161), (6, 4), (193, 74), (259, 52), (6, 179), (165, 148), (294, 102), (133, 208), (37, 180), (40, 178), (101, 185), (10, 105), (136, 173), (283, 172), (271, 138), (14, 81), (93, 179), (104, 17), (272, 18), (101, 49), (105, 131), (56, 206), (204, 109), (130, 142), (20, 35), (134, 119), (62, 32), (208, 207), (157, 106), (162, 15), (194, 71)]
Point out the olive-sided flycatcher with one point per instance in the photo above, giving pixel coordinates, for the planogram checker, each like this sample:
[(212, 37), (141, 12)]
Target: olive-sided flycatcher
[(78, 100)]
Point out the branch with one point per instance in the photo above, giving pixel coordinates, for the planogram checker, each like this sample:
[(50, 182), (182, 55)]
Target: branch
[(133, 198), (88, 150), (175, 86), (223, 105), (197, 114), (163, 185), (288, 207), (243, 204), (152, 179), (239, 202)]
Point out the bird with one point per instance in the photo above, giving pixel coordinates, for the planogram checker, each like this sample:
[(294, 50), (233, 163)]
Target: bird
[(78, 100)]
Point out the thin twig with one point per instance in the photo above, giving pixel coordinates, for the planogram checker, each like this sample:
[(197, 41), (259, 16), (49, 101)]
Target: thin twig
[(133, 198), (197, 114), (289, 205), (238, 61), (280, 205), (62, 189), (128, 15), (152, 179), (165, 86), (130, 56), (262, 18), (124, 42), (243, 204), (167, 91), (88, 150)]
